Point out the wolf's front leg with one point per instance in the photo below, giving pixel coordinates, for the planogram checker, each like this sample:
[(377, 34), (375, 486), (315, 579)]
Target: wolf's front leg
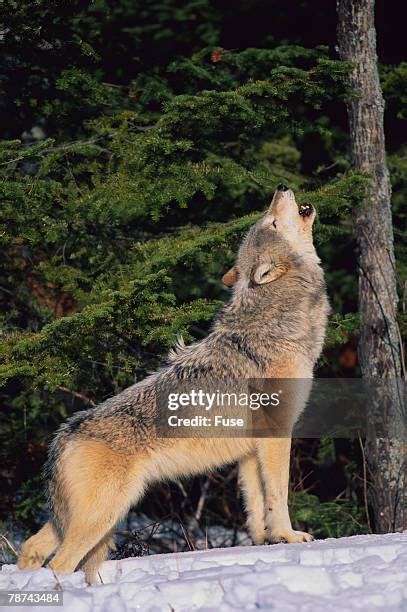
[(274, 458), (253, 496)]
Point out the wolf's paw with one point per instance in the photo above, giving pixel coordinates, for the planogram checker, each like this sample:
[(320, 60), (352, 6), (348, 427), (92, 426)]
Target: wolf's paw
[(258, 537), (30, 559), (289, 536)]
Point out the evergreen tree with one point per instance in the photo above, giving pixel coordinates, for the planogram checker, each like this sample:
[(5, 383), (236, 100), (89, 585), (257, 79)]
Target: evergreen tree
[(380, 345)]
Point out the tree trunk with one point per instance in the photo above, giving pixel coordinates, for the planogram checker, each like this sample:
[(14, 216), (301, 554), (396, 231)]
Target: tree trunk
[(380, 348)]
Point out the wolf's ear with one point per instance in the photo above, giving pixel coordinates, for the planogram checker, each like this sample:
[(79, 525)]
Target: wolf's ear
[(267, 272), (230, 278)]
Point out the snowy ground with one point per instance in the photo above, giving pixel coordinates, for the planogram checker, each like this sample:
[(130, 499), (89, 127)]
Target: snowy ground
[(357, 573)]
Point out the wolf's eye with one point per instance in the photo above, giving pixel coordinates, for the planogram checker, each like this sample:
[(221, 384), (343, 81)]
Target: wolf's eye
[(274, 224)]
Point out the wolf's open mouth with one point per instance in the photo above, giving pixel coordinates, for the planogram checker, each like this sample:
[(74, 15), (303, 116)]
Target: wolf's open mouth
[(305, 210)]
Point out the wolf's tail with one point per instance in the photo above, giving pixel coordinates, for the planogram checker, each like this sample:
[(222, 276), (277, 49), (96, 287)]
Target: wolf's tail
[(57, 494), (61, 502)]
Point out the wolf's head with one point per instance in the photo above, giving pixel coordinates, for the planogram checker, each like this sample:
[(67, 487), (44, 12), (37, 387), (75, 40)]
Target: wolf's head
[(279, 242)]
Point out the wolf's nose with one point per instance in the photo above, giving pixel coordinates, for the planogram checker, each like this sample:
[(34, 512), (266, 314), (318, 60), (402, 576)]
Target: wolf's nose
[(282, 187)]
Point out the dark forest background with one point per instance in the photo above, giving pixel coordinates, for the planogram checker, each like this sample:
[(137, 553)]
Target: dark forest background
[(139, 141)]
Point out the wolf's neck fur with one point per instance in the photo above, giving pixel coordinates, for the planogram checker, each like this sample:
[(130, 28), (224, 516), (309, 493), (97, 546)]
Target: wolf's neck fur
[(296, 293), (256, 329)]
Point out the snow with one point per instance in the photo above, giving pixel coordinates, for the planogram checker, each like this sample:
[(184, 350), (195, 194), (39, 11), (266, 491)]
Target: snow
[(366, 572)]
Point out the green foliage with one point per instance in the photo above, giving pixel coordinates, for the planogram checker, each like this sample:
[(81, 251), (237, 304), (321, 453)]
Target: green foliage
[(342, 328), (394, 83), (117, 330), (334, 519)]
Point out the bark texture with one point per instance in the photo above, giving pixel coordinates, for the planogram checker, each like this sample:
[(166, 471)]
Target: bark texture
[(380, 347)]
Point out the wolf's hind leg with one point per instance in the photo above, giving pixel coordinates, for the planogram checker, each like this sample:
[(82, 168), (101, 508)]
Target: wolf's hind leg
[(97, 485), (91, 563), (252, 488), (39, 547)]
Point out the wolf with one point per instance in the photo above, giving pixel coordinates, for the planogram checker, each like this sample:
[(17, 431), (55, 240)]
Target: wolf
[(102, 460)]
